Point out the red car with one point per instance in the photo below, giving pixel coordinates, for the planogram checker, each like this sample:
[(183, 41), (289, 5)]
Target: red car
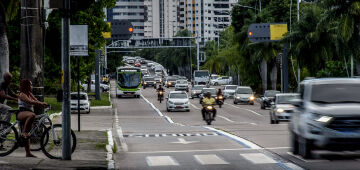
[(137, 64)]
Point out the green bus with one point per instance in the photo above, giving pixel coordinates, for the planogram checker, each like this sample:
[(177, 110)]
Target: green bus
[(128, 81)]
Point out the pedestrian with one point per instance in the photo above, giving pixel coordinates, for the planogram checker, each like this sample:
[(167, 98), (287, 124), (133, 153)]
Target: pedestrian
[(6, 94), (27, 116)]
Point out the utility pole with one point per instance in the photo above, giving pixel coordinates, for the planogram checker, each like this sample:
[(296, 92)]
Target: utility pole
[(32, 46), (66, 80), (97, 74), (198, 53), (298, 61)]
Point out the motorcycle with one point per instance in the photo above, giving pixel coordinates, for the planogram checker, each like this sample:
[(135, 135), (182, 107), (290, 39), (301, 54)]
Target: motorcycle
[(220, 100), (160, 95), (209, 113)]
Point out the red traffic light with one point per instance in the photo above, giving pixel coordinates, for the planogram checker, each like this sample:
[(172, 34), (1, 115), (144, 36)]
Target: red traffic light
[(250, 33), (131, 29)]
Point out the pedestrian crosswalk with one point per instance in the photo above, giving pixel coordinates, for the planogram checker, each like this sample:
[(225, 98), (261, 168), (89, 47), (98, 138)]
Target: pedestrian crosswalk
[(168, 135), (213, 159)]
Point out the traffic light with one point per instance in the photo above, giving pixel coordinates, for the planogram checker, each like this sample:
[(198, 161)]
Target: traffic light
[(121, 29)]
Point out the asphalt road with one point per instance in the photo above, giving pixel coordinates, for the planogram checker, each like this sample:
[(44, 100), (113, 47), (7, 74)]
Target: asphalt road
[(240, 138)]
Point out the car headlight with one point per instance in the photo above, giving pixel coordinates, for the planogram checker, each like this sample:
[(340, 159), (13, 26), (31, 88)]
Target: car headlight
[(238, 97), (280, 110), (252, 98), (324, 119)]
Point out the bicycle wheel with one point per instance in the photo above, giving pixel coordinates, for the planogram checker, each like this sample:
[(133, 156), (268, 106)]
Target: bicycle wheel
[(8, 138), (36, 138), (52, 147)]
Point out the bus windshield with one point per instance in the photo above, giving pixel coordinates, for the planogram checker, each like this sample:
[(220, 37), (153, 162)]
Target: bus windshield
[(129, 80), (201, 74)]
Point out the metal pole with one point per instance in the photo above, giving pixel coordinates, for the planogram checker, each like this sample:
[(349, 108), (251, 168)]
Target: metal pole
[(352, 65), (260, 4), (105, 63), (97, 75), (198, 53), (65, 55), (285, 69), (298, 61), (78, 88)]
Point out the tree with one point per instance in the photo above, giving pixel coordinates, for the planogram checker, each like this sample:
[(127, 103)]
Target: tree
[(8, 11)]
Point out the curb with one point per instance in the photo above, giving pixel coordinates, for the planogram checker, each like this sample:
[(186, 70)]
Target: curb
[(109, 148)]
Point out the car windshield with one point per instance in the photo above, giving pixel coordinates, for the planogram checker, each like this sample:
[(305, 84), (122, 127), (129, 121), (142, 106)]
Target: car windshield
[(201, 74), (129, 80), (230, 87), (181, 82), (286, 99), (198, 87), (270, 93), (149, 79), (336, 93), (244, 91), (75, 97), (212, 91), (178, 96), (171, 79)]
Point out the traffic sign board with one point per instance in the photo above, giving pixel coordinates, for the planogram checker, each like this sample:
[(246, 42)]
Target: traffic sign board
[(266, 32)]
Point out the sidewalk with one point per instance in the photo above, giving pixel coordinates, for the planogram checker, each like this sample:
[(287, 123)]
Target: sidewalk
[(90, 151)]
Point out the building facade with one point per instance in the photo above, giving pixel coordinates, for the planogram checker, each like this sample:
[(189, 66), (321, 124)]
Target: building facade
[(131, 10), (206, 18)]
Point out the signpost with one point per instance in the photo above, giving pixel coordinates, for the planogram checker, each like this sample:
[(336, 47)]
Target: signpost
[(272, 32), (78, 47)]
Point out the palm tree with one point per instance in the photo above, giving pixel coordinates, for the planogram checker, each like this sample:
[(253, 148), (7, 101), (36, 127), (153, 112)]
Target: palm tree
[(8, 10)]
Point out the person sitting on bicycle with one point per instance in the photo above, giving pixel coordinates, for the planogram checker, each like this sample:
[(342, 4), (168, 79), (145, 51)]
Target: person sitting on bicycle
[(26, 116), (206, 101), (6, 94)]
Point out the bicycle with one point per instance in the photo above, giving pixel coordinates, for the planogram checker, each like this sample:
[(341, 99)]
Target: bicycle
[(50, 140)]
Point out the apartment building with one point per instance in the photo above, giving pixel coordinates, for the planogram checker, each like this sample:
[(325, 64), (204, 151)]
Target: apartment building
[(131, 10), (162, 18), (206, 18)]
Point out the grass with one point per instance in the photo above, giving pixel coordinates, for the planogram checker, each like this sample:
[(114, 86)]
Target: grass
[(103, 102), (101, 145), (114, 148)]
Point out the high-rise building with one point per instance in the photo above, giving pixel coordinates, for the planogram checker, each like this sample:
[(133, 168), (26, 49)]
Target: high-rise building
[(131, 10), (162, 18), (206, 18)]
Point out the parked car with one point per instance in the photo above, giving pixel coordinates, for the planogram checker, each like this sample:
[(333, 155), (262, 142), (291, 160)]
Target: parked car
[(206, 90), (84, 102), (229, 91), (149, 81), (267, 98), (170, 81), (103, 87), (177, 101), (196, 90), (182, 85), (282, 108), (244, 94), (326, 117), (221, 81)]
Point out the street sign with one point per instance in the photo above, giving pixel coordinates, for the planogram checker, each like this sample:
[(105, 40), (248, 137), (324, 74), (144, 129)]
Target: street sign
[(266, 32), (79, 40), (107, 35)]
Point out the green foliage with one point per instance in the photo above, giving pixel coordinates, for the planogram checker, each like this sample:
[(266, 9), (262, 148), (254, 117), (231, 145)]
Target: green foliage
[(103, 102), (333, 69)]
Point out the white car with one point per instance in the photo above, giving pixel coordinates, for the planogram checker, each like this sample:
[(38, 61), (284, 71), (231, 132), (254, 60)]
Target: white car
[(182, 85), (244, 94), (221, 81), (177, 101), (229, 91), (103, 87), (84, 102)]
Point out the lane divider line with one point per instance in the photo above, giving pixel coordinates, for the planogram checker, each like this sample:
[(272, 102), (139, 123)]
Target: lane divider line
[(167, 118), (240, 140), (120, 133), (256, 113), (225, 118), (109, 148)]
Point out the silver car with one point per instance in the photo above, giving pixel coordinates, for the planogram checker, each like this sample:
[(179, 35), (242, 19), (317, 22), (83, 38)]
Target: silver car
[(196, 90), (244, 94), (182, 85), (327, 117), (282, 108), (229, 91)]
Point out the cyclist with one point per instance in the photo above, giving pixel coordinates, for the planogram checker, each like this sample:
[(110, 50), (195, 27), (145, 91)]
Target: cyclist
[(27, 116), (6, 94), (208, 100)]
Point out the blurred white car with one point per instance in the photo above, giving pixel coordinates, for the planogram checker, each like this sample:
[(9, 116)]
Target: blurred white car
[(221, 81), (229, 91), (103, 87), (177, 101), (182, 85), (84, 102)]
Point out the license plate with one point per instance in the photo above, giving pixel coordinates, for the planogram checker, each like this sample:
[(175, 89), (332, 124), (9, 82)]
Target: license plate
[(179, 107)]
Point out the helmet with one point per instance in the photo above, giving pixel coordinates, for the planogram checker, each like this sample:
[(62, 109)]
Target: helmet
[(208, 94)]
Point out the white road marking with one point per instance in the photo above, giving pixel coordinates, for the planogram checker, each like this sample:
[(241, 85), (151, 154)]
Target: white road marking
[(210, 150), (244, 109), (210, 160), (3, 162), (225, 118), (161, 161), (120, 133), (195, 106), (243, 141), (183, 141), (258, 158), (293, 166)]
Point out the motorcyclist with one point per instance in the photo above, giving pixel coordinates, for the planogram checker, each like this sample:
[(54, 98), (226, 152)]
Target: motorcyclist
[(206, 101), (219, 93), (160, 89)]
